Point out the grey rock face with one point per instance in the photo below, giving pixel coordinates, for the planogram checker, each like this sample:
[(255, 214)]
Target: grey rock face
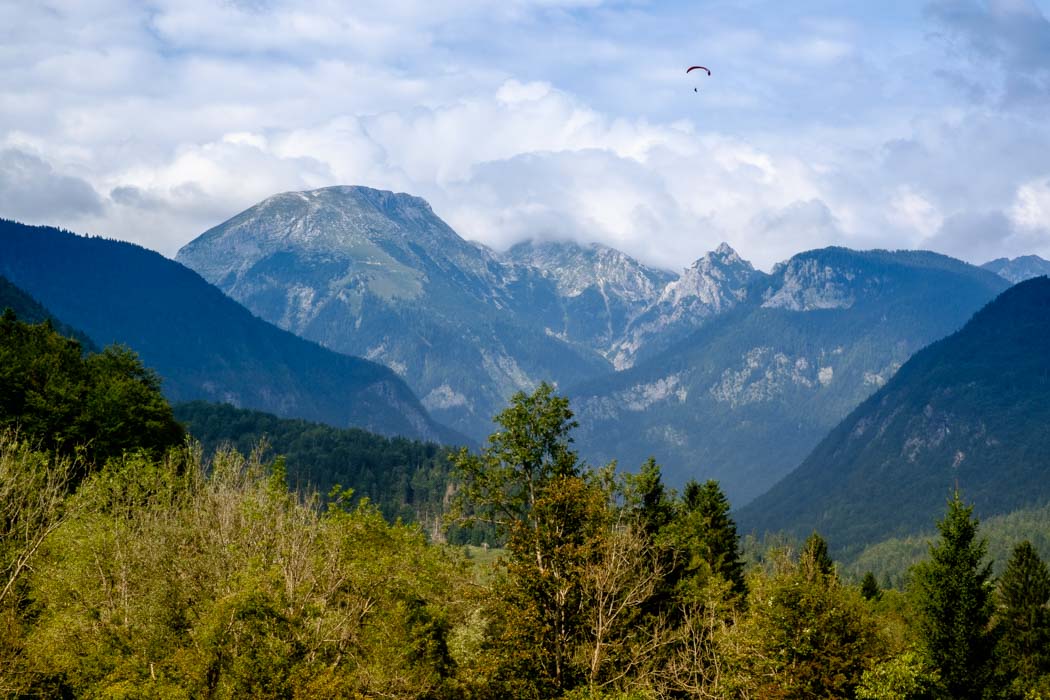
[(714, 284)]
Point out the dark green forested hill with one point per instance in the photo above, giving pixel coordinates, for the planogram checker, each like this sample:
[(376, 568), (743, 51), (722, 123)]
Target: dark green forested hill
[(202, 343), (28, 309), (406, 478), (971, 410), (94, 406)]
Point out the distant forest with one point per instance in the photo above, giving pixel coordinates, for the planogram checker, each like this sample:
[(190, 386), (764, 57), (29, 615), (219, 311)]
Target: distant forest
[(406, 479)]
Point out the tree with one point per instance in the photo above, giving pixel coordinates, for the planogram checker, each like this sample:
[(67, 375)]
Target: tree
[(869, 587), (502, 485), (647, 499), (1023, 620), (33, 504), (805, 635), (179, 579), (704, 539), (815, 559), (527, 483), (954, 604), (96, 407), (903, 677)]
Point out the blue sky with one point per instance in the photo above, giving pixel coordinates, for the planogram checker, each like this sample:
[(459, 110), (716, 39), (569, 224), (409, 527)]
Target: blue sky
[(895, 124)]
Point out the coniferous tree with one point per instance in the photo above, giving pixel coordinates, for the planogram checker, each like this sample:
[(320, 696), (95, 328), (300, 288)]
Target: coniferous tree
[(954, 605), (648, 499), (706, 538), (1023, 596), (869, 587)]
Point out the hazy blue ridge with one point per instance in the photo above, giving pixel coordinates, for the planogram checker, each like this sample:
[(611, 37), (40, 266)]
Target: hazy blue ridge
[(203, 344), (28, 309), (970, 410)]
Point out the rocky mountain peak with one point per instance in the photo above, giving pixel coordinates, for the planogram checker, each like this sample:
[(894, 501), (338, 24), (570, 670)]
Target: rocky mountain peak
[(1020, 268), (714, 283), (717, 279)]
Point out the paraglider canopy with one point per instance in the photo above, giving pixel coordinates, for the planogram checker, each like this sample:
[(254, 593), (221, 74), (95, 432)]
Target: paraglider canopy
[(692, 68)]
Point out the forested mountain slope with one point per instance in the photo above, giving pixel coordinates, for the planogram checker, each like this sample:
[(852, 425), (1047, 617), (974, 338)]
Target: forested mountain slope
[(970, 410), (202, 343), (28, 309)]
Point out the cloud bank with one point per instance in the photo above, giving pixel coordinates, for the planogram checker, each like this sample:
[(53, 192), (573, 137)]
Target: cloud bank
[(873, 127)]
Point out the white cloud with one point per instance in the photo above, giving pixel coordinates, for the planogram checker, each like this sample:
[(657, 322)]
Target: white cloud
[(909, 209), (1031, 208)]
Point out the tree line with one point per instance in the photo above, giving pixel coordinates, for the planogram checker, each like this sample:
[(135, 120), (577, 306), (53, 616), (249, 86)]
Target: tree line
[(150, 571)]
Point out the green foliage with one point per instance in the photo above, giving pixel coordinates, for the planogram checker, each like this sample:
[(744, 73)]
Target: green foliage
[(703, 540), (502, 485), (954, 605), (169, 576), (33, 490), (174, 580), (527, 483), (1023, 621), (99, 406), (814, 558), (891, 559), (904, 677), (806, 635)]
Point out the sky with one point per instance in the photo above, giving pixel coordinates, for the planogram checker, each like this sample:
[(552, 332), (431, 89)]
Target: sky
[(898, 124)]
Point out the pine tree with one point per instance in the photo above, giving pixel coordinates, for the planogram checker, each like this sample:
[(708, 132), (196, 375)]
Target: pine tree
[(954, 604), (647, 498), (869, 587), (1023, 595), (706, 539)]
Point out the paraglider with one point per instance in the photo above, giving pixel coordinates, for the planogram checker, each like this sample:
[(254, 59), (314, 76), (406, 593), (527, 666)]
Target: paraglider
[(690, 69)]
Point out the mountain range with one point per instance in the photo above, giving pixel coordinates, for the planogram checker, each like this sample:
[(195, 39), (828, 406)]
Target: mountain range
[(202, 343), (722, 371), (379, 275), (969, 411), (746, 397)]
